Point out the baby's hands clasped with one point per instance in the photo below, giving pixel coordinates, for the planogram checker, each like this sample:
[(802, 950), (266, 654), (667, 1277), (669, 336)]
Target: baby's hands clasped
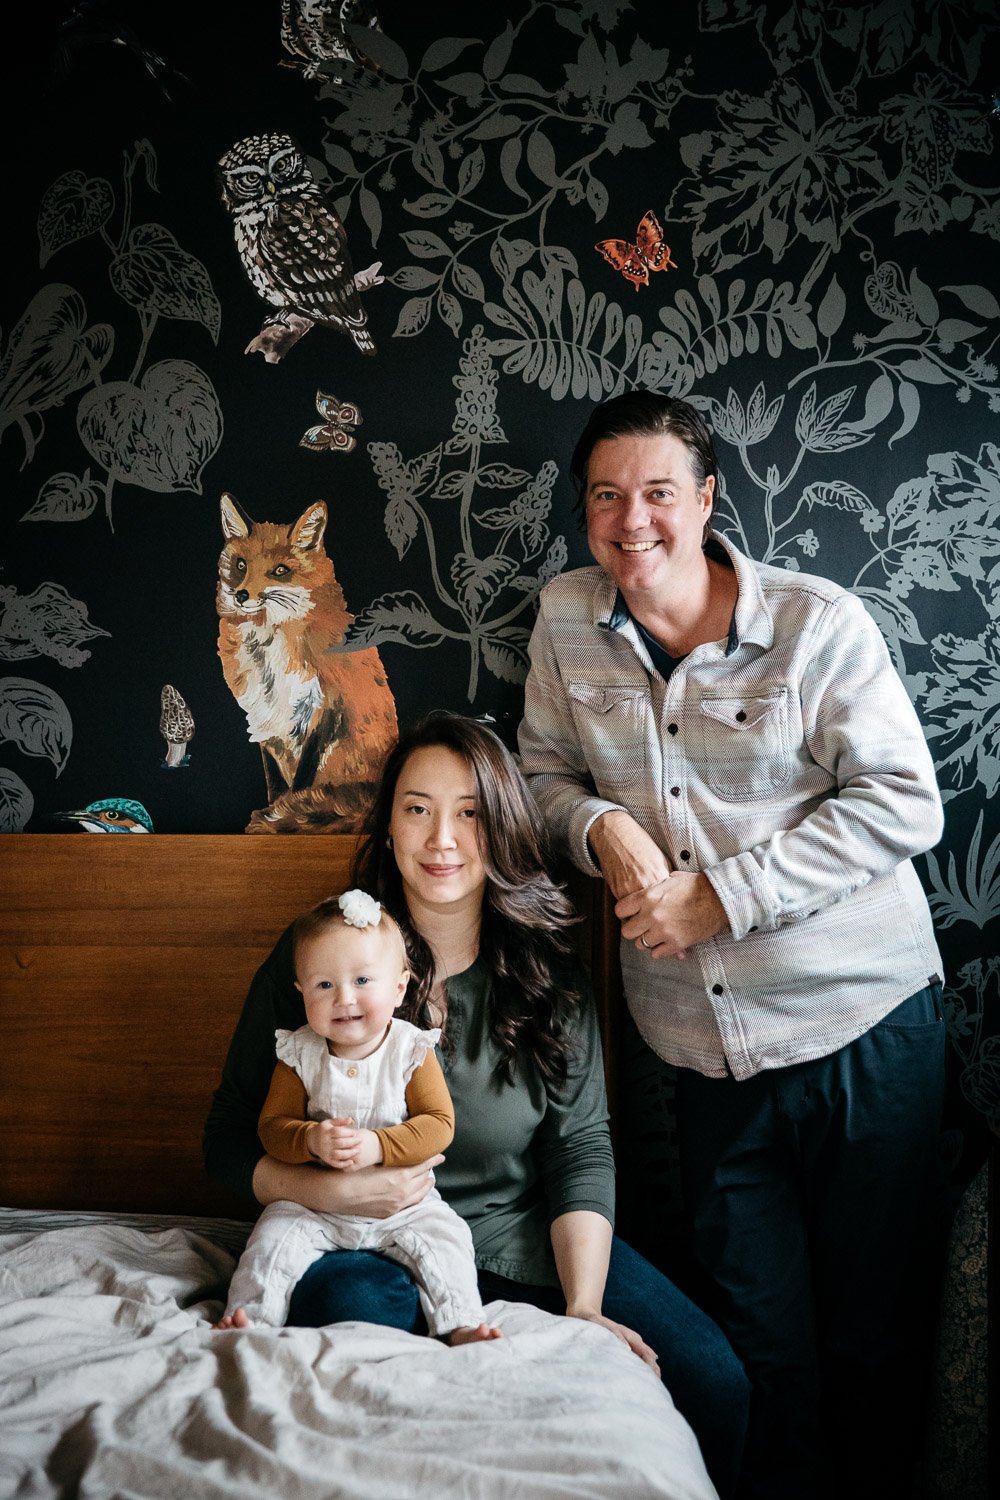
[(338, 1143)]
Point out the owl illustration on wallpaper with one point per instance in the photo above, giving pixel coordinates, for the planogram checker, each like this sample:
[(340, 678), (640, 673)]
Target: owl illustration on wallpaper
[(315, 32), (292, 245)]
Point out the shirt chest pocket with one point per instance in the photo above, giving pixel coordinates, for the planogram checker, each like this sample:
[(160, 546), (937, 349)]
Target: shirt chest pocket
[(745, 745), (612, 725)]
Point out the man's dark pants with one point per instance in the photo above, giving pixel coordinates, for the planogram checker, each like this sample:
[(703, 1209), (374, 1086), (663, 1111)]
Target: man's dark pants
[(814, 1194)]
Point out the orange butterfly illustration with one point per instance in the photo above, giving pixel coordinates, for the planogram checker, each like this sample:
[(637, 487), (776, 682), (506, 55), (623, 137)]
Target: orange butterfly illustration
[(649, 253)]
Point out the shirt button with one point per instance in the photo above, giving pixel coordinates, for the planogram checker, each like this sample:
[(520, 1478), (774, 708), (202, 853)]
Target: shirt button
[(716, 989), (741, 716), (675, 791), (754, 928), (352, 1072), (671, 728), (685, 855)]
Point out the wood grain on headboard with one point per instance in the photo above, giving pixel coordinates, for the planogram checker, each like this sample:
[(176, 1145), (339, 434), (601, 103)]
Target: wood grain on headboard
[(124, 961)]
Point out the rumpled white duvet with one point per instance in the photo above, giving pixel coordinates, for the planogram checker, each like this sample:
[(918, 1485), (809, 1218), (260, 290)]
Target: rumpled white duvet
[(113, 1384)]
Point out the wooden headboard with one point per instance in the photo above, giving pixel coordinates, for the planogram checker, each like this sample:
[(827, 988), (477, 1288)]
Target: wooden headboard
[(124, 961)]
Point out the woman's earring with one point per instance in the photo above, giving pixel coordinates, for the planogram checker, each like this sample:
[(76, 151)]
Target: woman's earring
[(388, 842)]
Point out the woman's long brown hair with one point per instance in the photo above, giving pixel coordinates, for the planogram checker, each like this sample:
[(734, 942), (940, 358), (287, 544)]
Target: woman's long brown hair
[(526, 915)]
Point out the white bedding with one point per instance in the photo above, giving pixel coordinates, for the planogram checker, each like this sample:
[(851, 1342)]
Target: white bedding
[(113, 1384)]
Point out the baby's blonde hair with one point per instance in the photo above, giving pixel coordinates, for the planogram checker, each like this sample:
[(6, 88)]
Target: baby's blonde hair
[(327, 914)]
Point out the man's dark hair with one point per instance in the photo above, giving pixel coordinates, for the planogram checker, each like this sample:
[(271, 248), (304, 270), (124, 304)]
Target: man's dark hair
[(647, 414)]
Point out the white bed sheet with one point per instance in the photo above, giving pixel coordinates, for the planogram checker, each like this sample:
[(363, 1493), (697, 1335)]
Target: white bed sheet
[(113, 1384)]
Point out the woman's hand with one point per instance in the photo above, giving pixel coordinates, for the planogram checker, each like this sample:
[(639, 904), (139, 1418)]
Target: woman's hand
[(380, 1192), (581, 1243), (627, 1335), (374, 1192)]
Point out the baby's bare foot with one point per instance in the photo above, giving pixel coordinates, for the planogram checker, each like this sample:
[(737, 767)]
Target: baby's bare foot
[(472, 1335), (238, 1319)]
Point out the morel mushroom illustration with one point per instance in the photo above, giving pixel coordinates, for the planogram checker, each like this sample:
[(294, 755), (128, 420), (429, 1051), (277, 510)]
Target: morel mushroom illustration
[(177, 728)]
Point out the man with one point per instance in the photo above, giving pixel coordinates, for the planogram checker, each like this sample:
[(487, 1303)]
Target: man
[(728, 744)]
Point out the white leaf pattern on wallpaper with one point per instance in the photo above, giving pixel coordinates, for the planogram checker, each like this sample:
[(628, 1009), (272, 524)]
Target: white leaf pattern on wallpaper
[(155, 430), (743, 428), (74, 207), (16, 802), (50, 354), (760, 317), (401, 618), (932, 125), (962, 701), (775, 172), (972, 895), (46, 622), (489, 592), (971, 1004), (465, 128), (35, 719), (155, 275), (65, 497), (159, 435)]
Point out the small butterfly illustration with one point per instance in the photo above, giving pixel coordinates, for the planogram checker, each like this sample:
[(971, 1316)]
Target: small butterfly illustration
[(649, 253), (336, 431)]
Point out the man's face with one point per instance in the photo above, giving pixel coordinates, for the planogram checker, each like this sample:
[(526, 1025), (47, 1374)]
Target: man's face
[(646, 516)]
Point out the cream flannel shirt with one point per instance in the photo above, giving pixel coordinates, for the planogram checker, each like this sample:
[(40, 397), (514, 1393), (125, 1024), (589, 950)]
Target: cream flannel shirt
[(785, 763)]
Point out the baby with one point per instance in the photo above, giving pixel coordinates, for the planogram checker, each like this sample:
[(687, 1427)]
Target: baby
[(357, 1087)]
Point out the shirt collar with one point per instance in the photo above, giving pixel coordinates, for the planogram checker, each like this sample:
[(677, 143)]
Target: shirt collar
[(752, 619)]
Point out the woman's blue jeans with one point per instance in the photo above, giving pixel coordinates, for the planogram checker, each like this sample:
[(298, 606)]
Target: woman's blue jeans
[(699, 1368)]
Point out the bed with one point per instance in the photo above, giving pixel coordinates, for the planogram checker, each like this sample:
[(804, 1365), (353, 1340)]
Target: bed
[(124, 962)]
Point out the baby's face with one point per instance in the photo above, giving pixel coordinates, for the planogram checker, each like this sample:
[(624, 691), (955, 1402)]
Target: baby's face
[(351, 982)]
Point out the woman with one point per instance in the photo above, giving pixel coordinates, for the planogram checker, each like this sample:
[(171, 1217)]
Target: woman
[(456, 853)]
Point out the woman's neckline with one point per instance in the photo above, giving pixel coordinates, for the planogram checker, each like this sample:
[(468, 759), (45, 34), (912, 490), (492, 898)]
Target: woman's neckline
[(461, 973), (453, 939)]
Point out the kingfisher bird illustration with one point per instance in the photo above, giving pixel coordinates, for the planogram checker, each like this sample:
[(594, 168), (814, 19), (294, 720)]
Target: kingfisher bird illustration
[(111, 815)]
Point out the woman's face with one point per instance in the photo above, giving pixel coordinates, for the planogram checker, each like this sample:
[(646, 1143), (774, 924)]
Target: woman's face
[(435, 830)]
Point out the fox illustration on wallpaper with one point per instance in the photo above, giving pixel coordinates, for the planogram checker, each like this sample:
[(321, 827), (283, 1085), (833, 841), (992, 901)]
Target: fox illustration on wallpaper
[(324, 721)]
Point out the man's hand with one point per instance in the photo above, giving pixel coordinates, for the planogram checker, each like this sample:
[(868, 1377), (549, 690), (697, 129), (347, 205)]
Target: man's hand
[(671, 916), (629, 859), (337, 1143)]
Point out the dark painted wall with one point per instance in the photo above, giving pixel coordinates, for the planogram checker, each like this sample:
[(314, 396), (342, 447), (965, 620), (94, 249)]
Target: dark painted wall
[(826, 178)]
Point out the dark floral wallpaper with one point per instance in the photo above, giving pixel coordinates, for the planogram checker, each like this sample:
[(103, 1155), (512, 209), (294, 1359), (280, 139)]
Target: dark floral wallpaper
[(788, 213)]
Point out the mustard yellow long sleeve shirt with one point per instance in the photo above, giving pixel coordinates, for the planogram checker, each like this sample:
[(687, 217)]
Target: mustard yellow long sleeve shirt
[(430, 1128)]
